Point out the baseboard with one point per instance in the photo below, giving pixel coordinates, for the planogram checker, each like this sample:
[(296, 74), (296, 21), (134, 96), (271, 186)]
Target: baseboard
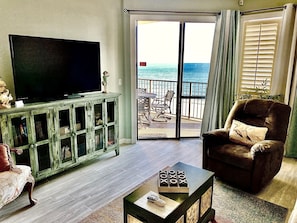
[(125, 141)]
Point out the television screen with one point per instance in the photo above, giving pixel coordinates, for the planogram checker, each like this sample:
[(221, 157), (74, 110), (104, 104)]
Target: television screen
[(47, 69)]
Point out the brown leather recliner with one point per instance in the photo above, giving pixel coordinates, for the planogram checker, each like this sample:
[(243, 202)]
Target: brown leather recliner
[(249, 166)]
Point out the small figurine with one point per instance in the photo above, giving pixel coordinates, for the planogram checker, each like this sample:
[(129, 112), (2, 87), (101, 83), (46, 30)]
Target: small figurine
[(104, 82), (5, 96)]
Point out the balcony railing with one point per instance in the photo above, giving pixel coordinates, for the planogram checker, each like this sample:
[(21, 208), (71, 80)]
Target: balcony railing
[(193, 95)]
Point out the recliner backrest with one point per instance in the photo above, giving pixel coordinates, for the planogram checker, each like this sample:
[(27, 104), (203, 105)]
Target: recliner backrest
[(262, 113)]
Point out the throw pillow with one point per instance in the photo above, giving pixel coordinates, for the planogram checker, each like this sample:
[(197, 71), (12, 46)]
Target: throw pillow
[(4, 158), (245, 134)]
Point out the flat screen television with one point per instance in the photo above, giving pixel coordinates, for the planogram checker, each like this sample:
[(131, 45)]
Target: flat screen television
[(46, 69)]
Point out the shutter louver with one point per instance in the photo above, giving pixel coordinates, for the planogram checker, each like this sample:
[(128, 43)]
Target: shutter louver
[(259, 48)]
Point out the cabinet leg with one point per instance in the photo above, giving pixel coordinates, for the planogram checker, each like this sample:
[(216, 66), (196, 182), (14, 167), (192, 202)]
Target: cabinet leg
[(117, 151)]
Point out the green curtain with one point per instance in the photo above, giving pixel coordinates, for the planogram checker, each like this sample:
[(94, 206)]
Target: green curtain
[(291, 143), (290, 21), (223, 71)]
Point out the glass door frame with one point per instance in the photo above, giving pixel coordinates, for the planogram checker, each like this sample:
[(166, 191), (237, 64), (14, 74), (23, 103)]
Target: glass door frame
[(177, 17)]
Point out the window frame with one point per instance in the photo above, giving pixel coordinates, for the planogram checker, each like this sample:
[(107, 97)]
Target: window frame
[(263, 88)]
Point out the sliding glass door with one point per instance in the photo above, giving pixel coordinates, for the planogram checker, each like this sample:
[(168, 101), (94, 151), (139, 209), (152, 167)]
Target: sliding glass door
[(197, 47), (172, 68), (157, 70)]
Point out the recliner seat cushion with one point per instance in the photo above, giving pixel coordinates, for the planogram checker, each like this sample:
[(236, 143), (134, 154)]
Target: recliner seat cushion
[(232, 154)]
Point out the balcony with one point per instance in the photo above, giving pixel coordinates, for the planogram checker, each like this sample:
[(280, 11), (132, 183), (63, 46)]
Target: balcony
[(192, 107)]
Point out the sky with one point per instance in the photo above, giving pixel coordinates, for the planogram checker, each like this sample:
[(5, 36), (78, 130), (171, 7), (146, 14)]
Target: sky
[(158, 42)]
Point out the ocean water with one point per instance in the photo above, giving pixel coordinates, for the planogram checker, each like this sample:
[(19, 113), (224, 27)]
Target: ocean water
[(193, 72)]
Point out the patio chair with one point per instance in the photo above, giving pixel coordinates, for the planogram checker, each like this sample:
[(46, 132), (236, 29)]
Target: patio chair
[(162, 105), (143, 105)]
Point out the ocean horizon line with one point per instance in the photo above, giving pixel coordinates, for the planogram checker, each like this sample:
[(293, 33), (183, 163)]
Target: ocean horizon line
[(192, 72)]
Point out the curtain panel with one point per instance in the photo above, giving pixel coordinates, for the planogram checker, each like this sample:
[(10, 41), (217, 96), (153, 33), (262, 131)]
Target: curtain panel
[(281, 63), (222, 83), (290, 21), (291, 88), (291, 142)]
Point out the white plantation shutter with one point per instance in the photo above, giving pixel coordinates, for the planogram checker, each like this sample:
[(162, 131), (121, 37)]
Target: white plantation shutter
[(258, 56)]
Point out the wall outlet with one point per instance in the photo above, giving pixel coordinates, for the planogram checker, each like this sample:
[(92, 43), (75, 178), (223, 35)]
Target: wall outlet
[(240, 2)]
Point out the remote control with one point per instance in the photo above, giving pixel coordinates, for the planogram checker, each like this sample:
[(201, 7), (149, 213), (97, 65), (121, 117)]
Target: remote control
[(156, 200)]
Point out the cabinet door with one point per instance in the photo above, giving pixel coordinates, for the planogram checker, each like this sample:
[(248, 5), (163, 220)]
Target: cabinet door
[(80, 130), (111, 123), (97, 125), (4, 131), (64, 136), (21, 138), (42, 128)]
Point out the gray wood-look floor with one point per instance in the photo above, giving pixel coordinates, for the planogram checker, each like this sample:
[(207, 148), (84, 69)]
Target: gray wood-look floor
[(73, 195)]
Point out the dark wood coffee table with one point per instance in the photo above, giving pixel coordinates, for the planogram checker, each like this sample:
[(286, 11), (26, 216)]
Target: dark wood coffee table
[(192, 207)]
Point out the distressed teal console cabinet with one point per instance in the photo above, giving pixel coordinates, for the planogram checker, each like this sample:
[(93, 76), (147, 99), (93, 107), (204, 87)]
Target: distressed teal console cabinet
[(58, 135)]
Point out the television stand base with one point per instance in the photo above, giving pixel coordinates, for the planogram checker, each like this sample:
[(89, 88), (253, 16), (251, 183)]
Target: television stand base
[(72, 96)]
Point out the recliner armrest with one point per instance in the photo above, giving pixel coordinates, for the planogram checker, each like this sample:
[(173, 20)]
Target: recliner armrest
[(267, 156), (266, 146), (218, 136)]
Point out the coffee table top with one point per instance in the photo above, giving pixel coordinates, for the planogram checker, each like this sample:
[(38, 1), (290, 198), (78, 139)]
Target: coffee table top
[(196, 177)]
